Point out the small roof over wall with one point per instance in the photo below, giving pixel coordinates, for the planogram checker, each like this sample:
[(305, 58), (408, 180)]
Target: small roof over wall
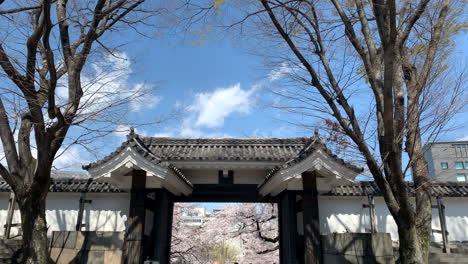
[(357, 189)]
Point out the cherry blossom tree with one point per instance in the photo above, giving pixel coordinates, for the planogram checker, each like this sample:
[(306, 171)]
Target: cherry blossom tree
[(250, 227)]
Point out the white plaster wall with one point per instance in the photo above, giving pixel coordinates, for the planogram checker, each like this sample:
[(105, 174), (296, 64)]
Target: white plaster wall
[(210, 176), (201, 176), (456, 213), (339, 214), (107, 212), (249, 176)]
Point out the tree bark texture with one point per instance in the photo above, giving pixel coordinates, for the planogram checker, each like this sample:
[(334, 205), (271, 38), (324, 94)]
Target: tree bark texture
[(34, 229)]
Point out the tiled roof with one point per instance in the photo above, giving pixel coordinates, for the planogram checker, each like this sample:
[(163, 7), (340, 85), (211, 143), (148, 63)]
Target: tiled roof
[(73, 185), (225, 149), (163, 149), (134, 141), (443, 189), (313, 146)]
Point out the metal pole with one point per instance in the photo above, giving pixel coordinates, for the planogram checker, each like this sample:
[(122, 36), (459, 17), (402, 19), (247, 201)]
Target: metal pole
[(443, 224), (11, 211)]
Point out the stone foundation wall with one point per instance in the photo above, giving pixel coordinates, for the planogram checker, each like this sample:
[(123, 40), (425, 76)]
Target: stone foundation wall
[(356, 248), (86, 247)]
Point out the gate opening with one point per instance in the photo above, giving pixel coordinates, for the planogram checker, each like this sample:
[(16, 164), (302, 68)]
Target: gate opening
[(224, 233)]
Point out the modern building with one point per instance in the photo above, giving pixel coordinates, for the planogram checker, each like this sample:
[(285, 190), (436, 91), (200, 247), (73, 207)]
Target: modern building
[(447, 161), (194, 216)]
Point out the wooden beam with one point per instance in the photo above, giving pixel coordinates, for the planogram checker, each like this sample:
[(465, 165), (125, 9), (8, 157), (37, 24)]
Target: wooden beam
[(371, 206), (288, 228), (79, 220), (11, 211), (312, 241), (162, 227), (134, 237)]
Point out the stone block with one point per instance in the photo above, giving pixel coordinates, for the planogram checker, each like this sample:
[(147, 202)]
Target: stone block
[(381, 244), (357, 245), (113, 257), (100, 240), (331, 244), (63, 239), (90, 257), (357, 248), (63, 255)]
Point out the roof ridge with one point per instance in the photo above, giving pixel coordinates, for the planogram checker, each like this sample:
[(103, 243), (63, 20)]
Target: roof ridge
[(226, 141)]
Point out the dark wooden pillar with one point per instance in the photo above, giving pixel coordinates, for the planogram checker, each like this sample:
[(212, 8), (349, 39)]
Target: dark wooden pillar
[(162, 226), (288, 228), (312, 241), (134, 238)]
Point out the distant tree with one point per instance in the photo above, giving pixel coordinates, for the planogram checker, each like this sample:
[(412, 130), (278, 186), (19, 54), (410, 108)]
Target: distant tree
[(187, 243), (254, 226), (224, 252), (44, 49)]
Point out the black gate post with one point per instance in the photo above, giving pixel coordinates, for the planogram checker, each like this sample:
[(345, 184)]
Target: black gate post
[(312, 241), (162, 226), (133, 244), (288, 228)]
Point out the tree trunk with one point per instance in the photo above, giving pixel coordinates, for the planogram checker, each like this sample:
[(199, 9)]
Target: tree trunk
[(34, 228), (411, 251)]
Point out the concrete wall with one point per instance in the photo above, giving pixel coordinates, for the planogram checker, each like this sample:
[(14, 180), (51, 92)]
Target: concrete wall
[(107, 212), (338, 214), (86, 247)]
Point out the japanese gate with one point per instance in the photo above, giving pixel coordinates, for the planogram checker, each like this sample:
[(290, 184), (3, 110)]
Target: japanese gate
[(291, 172)]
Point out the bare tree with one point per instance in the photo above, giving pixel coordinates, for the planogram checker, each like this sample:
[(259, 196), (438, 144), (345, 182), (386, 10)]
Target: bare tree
[(44, 50), (397, 45), (376, 68)]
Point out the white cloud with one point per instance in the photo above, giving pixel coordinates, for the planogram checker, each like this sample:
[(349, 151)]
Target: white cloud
[(107, 85), (209, 110), (280, 72), (143, 99), (465, 138), (71, 158), (212, 108)]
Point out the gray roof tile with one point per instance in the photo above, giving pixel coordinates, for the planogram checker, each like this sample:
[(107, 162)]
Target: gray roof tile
[(223, 149), (74, 185), (443, 189)]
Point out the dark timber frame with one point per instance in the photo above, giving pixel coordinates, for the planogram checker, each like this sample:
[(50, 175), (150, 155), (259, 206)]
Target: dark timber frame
[(134, 237), (288, 227), (155, 245)]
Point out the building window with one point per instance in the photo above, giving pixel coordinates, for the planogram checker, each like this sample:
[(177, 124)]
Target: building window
[(461, 177), (466, 165), (459, 165), (444, 165)]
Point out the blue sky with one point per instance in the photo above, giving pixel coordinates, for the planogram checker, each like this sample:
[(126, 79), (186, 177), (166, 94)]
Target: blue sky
[(211, 90), (215, 89)]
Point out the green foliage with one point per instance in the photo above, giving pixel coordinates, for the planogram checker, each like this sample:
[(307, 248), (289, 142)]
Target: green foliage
[(224, 252)]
